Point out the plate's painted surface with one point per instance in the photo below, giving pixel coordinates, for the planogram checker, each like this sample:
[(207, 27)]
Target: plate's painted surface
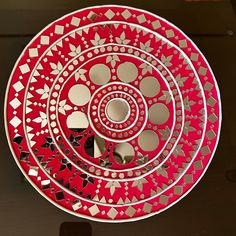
[(112, 113)]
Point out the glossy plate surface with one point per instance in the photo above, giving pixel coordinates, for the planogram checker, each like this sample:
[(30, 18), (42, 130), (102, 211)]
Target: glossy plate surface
[(112, 113)]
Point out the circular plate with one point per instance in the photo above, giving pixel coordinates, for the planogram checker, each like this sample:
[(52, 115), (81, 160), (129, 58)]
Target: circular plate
[(112, 113)]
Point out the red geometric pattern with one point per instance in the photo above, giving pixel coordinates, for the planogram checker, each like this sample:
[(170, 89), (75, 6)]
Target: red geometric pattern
[(81, 155)]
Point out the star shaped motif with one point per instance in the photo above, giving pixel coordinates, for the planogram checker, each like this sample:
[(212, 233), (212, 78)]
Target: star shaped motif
[(113, 185), (49, 144), (139, 183), (86, 179)]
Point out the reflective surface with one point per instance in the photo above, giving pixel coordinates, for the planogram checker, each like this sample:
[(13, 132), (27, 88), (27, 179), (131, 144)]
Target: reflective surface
[(148, 140), (149, 86), (66, 149), (117, 110), (123, 153), (32, 202), (158, 113)]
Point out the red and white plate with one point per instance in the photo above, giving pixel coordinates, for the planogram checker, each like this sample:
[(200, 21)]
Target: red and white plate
[(112, 113)]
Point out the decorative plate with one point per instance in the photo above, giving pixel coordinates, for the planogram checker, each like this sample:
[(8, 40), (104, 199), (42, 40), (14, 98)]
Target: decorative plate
[(112, 113)]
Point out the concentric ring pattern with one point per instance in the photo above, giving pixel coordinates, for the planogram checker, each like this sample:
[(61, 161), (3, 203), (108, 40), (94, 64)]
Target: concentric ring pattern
[(112, 113)]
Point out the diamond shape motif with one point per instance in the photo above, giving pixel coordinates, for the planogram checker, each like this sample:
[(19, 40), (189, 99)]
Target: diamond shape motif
[(198, 165), (33, 52), (205, 150), (59, 195), (126, 14), (188, 178), (15, 121), (76, 205), (208, 86), (91, 15), (59, 29), (211, 101), (44, 40), (33, 171), (147, 207), (202, 70), (163, 199), (24, 68), (45, 183), (18, 86), (112, 213), (178, 190), (156, 24), (109, 14), (194, 56), (141, 18), (94, 210), (15, 103), (210, 134), (212, 118), (130, 211), (75, 21), (169, 33), (183, 43)]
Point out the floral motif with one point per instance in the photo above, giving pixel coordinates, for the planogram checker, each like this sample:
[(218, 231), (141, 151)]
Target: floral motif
[(44, 92), (74, 50), (188, 128), (56, 68), (65, 164), (80, 75), (145, 68), (161, 171), (188, 104), (122, 39), (146, 46), (178, 151), (139, 183), (49, 144), (141, 159), (97, 40), (165, 133), (180, 80), (165, 97), (74, 140), (87, 179), (112, 59), (63, 107), (41, 119), (112, 185), (166, 60), (105, 163)]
